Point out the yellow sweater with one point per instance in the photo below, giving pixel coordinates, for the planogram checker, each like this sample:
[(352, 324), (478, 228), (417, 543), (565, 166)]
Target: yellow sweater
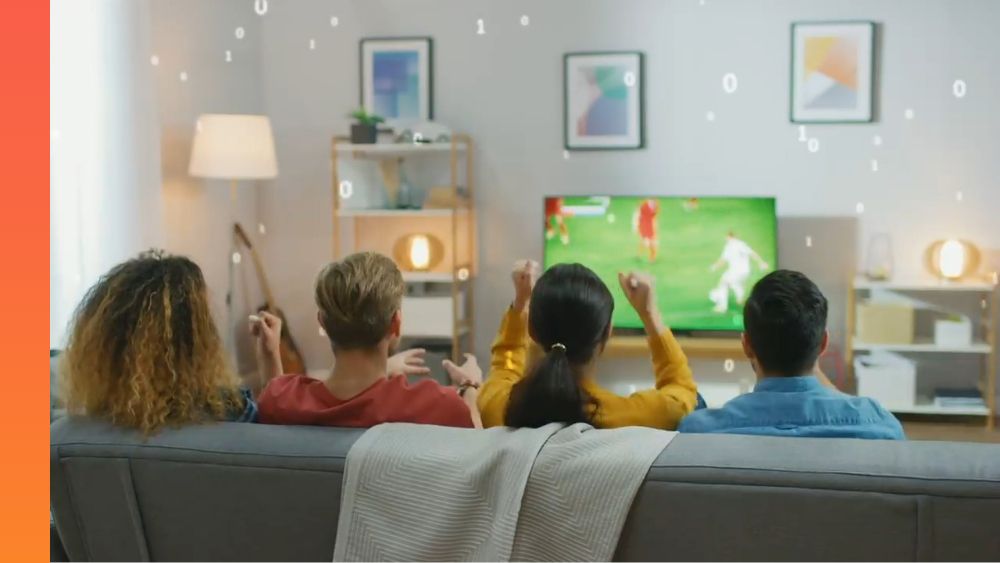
[(662, 407)]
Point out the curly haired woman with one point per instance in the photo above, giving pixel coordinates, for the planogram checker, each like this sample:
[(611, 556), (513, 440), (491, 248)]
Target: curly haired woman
[(143, 351)]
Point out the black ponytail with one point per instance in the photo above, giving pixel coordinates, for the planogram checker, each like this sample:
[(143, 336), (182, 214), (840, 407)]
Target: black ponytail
[(569, 317)]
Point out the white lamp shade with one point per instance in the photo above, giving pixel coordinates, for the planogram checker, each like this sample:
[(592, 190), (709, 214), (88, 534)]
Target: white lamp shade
[(233, 147)]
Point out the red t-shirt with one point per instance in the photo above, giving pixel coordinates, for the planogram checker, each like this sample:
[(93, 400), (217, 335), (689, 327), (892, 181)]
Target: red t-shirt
[(647, 218), (300, 399)]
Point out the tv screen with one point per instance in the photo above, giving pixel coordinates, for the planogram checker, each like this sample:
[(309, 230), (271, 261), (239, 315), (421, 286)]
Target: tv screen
[(704, 253)]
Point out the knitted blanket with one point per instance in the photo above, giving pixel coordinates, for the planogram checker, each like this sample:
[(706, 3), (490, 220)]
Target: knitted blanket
[(424, 493)]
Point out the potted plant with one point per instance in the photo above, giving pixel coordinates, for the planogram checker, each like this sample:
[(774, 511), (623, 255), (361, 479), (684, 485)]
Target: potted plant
[(364, 131)]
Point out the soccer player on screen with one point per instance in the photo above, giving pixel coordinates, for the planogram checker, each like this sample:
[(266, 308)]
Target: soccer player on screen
[(736, 255), (554, 212), (644, 223)]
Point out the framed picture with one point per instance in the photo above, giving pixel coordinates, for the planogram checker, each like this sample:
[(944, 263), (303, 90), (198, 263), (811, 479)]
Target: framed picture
[(833, 72), (396, 78), (603, 100)]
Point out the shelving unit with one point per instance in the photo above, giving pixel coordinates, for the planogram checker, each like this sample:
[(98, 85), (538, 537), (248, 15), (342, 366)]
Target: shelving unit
[(986, 348), (378, 229)]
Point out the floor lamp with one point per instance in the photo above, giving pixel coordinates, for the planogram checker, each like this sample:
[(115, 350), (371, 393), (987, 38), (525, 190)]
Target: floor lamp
[(233, 147)]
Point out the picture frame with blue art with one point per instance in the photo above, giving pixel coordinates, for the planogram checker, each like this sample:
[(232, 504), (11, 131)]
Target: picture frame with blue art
[(397, 78), (603, 100)]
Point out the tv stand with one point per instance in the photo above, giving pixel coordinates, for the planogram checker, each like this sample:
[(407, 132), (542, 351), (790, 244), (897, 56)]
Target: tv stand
[(717, 347)]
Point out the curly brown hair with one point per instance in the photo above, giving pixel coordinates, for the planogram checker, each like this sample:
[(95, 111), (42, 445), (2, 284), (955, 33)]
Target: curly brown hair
[(143, 351)]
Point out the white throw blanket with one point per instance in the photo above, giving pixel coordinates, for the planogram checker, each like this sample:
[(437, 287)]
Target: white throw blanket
[(423, 493)]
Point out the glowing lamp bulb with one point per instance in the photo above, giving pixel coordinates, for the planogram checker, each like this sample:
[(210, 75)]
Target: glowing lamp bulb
[(420, 252), (951, 259)]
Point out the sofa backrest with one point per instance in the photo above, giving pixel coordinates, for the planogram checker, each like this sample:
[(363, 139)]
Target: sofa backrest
[(254, 492)]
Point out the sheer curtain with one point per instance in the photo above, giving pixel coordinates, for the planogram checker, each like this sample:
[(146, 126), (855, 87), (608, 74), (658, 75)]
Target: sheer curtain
[(105, 191)]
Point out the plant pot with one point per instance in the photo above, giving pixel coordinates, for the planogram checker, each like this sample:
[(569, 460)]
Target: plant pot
[(363, 134)]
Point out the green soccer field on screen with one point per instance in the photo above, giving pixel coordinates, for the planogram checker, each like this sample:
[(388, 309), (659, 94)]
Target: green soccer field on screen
[(705, 254)]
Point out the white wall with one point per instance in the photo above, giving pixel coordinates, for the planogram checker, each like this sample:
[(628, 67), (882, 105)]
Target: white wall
[(505, 89), (192, 36)]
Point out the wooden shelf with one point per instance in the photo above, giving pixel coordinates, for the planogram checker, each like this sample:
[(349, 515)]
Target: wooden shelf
[(390, 150), (400, 213), (931, 408), (928, 347), (431, 277), (631, 346), (924, 284)]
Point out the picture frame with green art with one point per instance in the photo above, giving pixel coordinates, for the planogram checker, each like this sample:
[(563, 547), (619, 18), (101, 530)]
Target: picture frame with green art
[(603, 100)]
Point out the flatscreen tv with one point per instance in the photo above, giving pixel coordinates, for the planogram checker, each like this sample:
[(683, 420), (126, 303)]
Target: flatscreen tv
[(704, 253)]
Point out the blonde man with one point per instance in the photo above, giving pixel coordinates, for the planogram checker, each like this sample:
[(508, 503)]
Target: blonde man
[(359, 300)]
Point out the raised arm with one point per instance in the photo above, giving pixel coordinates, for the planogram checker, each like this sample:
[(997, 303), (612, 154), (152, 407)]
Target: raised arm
[(510, 348), (266, 331), (675, 392)]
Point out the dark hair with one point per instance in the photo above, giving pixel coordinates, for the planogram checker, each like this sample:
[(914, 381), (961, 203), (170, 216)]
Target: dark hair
[(785, 320), (569, 317)]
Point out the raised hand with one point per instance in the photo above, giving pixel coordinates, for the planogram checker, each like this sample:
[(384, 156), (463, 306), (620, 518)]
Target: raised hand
[(408, 362), (266, 330), (638, 289), (524, 275)]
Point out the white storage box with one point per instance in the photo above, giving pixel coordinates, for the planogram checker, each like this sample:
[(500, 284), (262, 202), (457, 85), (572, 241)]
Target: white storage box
[(953, 333), (430, 316), (888, 378)]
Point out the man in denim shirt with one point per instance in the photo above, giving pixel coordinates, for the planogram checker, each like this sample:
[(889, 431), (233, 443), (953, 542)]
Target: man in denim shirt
[(785, 334)]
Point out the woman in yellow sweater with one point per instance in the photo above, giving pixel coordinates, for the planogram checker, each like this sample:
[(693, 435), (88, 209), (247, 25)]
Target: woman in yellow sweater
[(570, 319)]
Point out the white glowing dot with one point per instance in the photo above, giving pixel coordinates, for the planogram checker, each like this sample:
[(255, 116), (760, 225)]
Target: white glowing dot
[(877, 141), (154, 60), (983, 304), (565, 155), (261, 228), (729, 83), (996, 278), (229, 56), (260, 6), (859, 208), (630, 79), (334, 21), (729, 365), (418, 138), (874, 165), (809, 242), (908, 114), (802, 134), (710, 116), (463, 274), (184, 76), (480, 27), (813, 144), (959, 196), (611, 217), (237, 258), (632, 389), (322, 332), (240, 33), (525, 21), (346, 189), (312, 44), (958, 88)]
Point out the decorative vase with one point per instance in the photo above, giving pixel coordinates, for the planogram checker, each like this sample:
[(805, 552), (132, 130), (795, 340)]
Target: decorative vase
[(362, 134), (879, 264)]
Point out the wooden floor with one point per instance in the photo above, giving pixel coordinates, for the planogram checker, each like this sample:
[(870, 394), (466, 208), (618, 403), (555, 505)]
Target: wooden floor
[(957, 430)]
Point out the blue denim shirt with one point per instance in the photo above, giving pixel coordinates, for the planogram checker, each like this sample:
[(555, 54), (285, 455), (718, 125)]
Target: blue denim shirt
[(797, 406)]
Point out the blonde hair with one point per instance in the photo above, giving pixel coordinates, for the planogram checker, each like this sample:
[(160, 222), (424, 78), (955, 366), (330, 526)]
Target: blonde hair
[(143, 351), (357, 298)]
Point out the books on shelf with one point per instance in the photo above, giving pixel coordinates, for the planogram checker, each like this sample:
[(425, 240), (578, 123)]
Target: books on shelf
[(958, 397)]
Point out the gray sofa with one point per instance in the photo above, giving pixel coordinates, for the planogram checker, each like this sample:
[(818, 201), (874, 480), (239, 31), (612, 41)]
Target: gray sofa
[(251, 492)]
